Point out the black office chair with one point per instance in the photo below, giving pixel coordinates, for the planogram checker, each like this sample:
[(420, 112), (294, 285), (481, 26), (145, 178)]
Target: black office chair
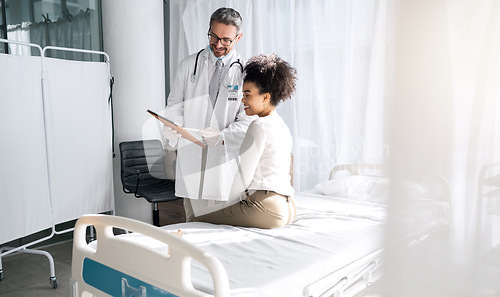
[(143, 173)]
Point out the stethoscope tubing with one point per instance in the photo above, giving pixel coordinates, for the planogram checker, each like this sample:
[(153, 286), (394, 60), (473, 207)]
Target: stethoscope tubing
[(193, 77)]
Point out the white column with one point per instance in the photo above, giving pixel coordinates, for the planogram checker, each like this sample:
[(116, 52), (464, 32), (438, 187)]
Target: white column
[(133, 38)]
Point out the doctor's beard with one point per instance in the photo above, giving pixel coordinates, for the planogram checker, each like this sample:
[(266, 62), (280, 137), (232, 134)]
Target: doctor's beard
[(221, 52)]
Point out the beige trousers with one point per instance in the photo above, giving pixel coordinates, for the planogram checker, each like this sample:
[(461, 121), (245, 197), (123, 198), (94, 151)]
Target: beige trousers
[(263, 209)]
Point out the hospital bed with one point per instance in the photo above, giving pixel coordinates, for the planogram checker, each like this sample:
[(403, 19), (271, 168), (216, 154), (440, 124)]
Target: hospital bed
[(335, 245)]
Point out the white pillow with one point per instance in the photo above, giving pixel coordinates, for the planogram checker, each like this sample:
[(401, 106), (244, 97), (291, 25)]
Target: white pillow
[(365, 188)]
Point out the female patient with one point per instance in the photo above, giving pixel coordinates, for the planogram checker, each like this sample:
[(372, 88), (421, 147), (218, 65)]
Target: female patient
[(265, 153)]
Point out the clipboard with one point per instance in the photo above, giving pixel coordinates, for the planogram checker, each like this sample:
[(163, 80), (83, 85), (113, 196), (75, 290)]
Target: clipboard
[(177, 128)]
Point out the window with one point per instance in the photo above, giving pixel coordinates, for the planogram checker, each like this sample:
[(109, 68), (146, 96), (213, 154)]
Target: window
[(3, 26), (63, 23)]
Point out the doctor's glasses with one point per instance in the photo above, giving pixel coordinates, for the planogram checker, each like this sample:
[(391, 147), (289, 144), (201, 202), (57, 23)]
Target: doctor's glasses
[(225, 41)]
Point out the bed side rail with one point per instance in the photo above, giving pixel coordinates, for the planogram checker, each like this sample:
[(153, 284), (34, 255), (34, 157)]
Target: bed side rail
[(167, 271), (354, 277)]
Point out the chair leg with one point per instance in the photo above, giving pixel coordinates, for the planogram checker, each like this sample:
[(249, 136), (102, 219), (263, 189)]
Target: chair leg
[(156, 215)]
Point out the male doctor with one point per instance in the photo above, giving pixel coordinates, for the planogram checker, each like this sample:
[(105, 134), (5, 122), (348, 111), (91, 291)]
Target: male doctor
[(206, 96)]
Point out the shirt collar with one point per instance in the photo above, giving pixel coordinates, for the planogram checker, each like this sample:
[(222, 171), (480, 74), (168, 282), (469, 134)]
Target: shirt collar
[(224, 59)]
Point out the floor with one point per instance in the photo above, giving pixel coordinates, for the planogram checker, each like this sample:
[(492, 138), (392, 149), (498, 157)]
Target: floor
[(28, 275)]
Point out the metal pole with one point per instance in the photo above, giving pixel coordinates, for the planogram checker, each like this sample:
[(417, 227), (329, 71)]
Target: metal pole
[(4, 25)]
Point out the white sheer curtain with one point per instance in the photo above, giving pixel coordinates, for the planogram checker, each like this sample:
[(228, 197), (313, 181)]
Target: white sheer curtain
[(445, 102), (475, 41), (338, 49), (19, 32)]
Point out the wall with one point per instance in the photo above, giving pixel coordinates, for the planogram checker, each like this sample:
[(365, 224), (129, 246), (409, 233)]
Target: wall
[(133, 37)]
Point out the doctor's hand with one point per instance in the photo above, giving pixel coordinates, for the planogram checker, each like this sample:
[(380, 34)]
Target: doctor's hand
[(211, 137), (171, 135)]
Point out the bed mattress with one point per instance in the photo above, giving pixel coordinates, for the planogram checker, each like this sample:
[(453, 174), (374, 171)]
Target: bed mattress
[(329, 234)]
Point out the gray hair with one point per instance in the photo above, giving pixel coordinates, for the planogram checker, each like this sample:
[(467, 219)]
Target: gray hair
[(227, 16)]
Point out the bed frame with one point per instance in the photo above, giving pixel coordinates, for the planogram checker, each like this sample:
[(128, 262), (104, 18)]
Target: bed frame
[(94, 273), (148, 272)]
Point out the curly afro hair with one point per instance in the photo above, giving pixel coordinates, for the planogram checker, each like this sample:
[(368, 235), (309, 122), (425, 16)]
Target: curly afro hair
[(272, 75)]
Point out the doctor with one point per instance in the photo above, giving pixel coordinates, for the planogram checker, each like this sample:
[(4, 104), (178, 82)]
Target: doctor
[(205, 96)]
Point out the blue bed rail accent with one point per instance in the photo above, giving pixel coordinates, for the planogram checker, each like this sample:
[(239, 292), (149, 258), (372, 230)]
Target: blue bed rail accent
[(116, 283)]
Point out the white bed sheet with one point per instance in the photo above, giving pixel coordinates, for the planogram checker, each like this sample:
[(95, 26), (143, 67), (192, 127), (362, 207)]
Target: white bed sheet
[(328, 234)]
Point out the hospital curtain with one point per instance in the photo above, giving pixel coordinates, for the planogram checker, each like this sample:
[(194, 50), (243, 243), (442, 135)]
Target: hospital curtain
[(338, 48), (476, 97), (444, 94), (24, 176), (56, 151)]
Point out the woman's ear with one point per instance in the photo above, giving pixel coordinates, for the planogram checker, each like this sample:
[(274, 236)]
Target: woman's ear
[(267, 97), (267, 100)]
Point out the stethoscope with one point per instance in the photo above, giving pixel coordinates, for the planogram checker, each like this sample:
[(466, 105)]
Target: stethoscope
[(193, 77)]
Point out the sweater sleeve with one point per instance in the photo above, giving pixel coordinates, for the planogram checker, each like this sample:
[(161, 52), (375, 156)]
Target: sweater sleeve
[(234, 134), (251, 152)]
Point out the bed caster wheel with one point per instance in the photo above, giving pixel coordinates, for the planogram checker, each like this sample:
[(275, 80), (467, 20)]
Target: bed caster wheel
[(53, 282)]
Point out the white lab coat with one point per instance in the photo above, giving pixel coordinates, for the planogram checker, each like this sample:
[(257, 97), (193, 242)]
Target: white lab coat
[(187, 105)]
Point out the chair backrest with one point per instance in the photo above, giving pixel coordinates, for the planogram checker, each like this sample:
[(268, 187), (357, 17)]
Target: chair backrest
[(147, 156)]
